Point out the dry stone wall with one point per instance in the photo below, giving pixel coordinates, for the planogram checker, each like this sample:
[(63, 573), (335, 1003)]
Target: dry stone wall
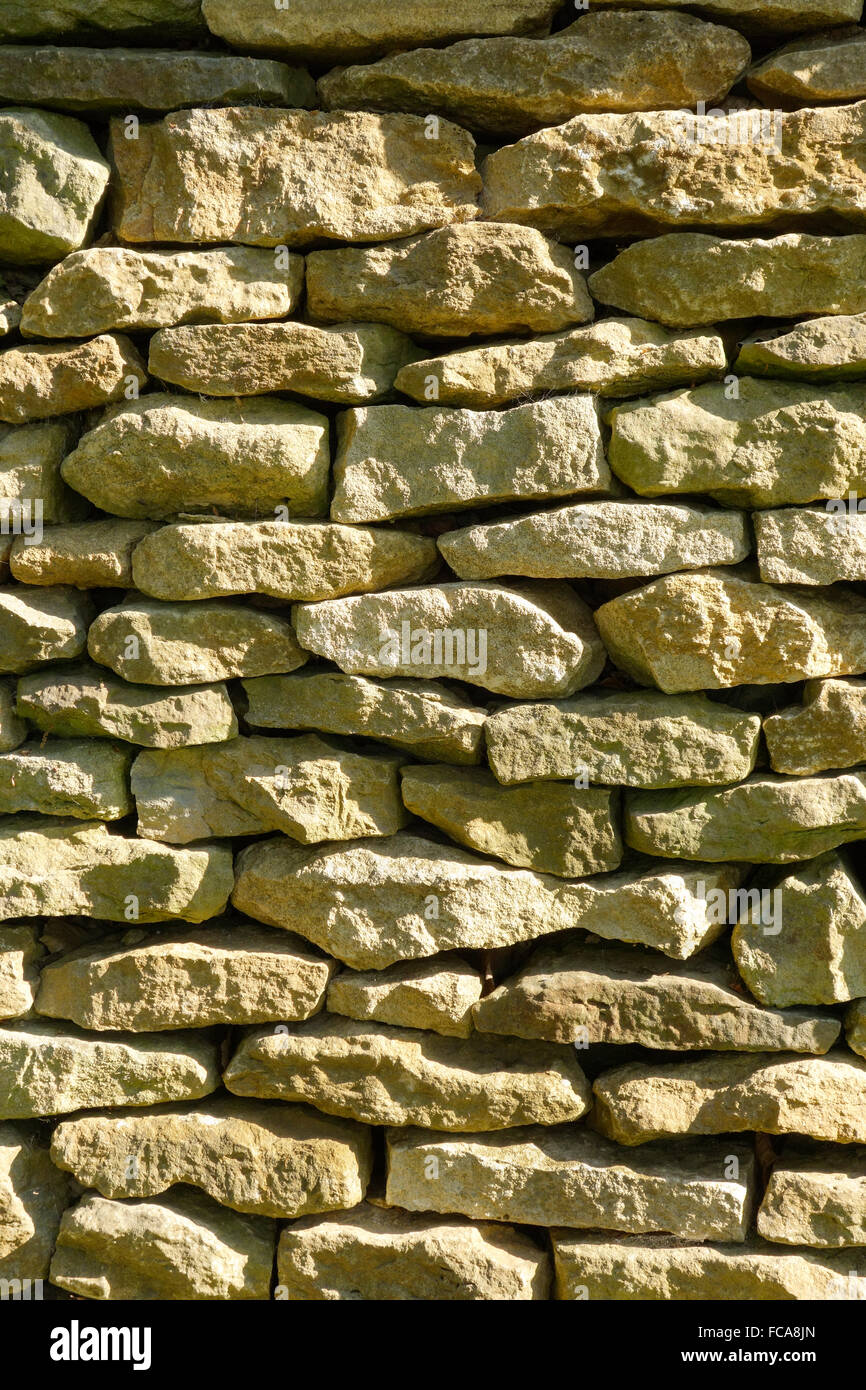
[(433, 650)]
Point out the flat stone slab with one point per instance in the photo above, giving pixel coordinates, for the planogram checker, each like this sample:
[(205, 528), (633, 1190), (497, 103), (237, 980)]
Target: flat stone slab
[(38, 625), (822, 1097), (110, 287), (568, 1176), (587, 995), (372, 1254), (422, 717), (152, 19), (765, 820), (396, 460), (758, 16), (166, 454), (827, 730), (380, 1074), (816, 1196), (639, 738), (602, 540), (826, 68), (33, 1196), (54, 182), (436, 995), (268, 178), (37, 381), (825, 349), (559, 829), (183, 1247), (85, 554), (810, 545), (67, 777), (84, 700), (529, 639), (20, 954), (51, 1069), (298, 560)]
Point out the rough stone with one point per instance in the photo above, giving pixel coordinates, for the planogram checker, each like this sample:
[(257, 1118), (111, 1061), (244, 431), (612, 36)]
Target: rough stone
[(569, 1176), (489, 279), (267, 1160), (616, 357), (306, 787), (161, 19), (827, 68), (53, 1069), (87, 554), (765, 820), (20, 953), (816, 1196), (60, 867), (758, 16), (187, 643), (422, 717), (619, 539), (84, 701), (530, 639), (613, 994), (434, 995), (13, 730), (396, 460), (827, 730), (558, 829), (30, 459), (810, 545), (825, 349), (56, 379), (110, 287), (307, 560), (183, 1247), (54, 181), (237, 973), (380, 1074), (33, 1196), (44, 625), (166, 454), (10, 316), (63, 777), (269, 178), (855, 1026), (822, 1097), (348, 365), (635, 738), (716, 629)]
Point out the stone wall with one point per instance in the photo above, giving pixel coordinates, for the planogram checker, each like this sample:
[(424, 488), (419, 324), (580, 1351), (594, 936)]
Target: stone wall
[(433, 641)]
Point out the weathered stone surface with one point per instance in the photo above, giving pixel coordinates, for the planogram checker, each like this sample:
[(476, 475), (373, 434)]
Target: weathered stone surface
[(87, 555), (716, 629), (236, 973), (619, 175), (52, 1069), (184, 1246), (826, 349), (85, 701), (778, 442), (268, 1160), (322, 31), (488, 278), (307, 560), (67, 777), (530, 639), (32, 1198), (441, 898), (13, 730), (150, 79), (44, 625), (166, 454), (396, 460), (62, 868), (374, 1254), (569, 1176), (764, 820), (511, 86), (816, 955), (109, 287), (758, 16), (423, 717), (380, 1074), (269, 178), (435, 995), (56, 379), (822, 1097), (616, 357), (689, 278), (54, 180), (351, 364), (186, 643), (10, 316), (30, 481), (306, 787), (558, 829), (663, 1269), (601, 540), (816, 1196), (148, 19), (855, 1026), (827, 730), (810, 545), (635, 738), (611, 994), (827, 68), (20, 953)]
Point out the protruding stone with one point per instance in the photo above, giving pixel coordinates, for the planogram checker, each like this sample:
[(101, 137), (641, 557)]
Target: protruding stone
[(31, 487), (816, 1196), (20, 953), (61, 777), (384, 1075), (810, 545), (33, 1196), (155, 19), (826, 349), (269, 178), (758, 16), (827, 68), (41, 625), (638, 738), (56, 379), (87, 554), (436, 995), (54, 181), (827, 730)]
